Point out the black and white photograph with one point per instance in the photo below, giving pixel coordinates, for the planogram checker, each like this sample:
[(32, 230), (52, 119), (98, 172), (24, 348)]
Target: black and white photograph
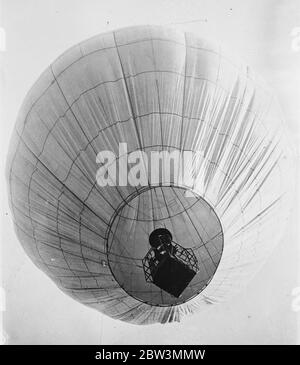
[(149, 175)]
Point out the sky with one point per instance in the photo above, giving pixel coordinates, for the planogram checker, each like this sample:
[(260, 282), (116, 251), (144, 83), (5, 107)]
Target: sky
[(264, 33)]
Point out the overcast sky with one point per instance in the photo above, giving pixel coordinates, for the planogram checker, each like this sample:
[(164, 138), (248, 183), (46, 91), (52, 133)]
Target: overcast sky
[(261, 32)]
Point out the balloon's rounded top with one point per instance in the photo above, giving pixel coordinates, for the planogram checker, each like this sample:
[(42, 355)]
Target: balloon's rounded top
[(167, 96)]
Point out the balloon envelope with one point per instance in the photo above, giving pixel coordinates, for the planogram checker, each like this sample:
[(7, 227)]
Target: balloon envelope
[(155, 89)]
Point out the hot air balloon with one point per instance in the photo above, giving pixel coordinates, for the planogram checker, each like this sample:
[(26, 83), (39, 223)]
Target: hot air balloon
[(155, 89)]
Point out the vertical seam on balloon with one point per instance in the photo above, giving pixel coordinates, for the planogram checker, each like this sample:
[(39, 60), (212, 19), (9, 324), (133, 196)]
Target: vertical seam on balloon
[(70, 108), (128, 97), (184, 92), (127, 92)]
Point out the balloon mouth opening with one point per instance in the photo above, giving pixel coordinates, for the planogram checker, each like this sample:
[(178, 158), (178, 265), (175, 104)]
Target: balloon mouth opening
[(178, 214)]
